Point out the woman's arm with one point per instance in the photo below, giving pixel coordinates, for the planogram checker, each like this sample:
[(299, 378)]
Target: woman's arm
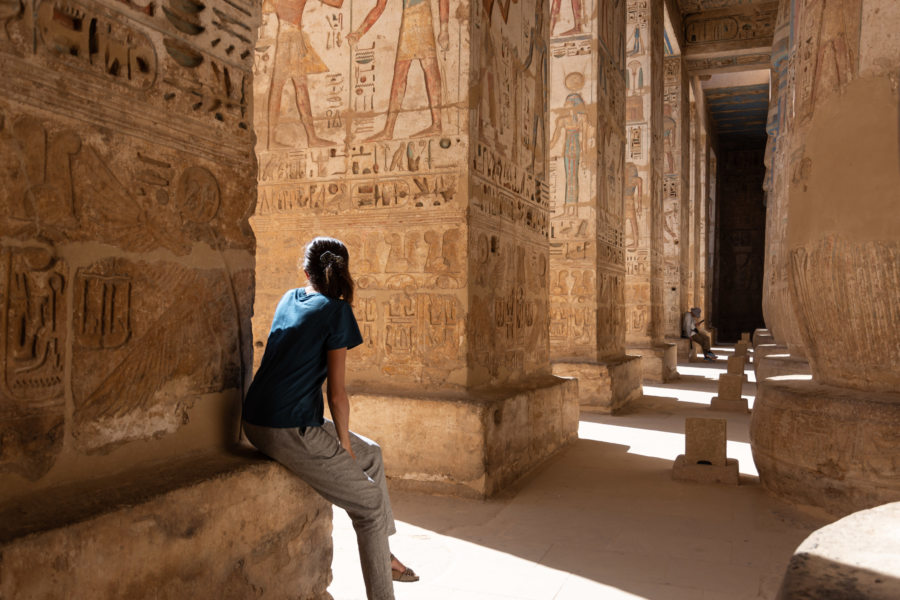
[(338, 401)]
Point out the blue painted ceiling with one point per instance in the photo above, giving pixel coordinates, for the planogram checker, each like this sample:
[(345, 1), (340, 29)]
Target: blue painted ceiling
[(739, 111)]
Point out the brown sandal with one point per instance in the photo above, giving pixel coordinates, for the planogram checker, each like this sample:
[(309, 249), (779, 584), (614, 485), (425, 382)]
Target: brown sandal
[(405, 575)]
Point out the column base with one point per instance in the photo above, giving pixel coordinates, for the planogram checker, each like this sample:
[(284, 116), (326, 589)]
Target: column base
[(826, 446), (469, 443), (702, 473), (777, 365), (607, 386), (659, 362), (739, 405), (686, 349), (856, 557), (215, 527)]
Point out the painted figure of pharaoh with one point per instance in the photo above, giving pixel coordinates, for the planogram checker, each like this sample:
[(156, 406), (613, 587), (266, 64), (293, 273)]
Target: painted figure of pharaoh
[(295, 59), (415, 42), (576, 16)]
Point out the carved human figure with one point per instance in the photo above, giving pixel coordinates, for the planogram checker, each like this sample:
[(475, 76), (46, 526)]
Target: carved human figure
[(537, 52), (576, 16), (489, 66), (414, 42), (574, 121), (634, 192), (295, 59)]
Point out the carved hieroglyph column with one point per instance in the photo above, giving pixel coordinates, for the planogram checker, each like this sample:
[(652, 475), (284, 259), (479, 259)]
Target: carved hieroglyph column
[(415, 131), (126, 260), (644, 316), (586, 129), (832, 441), (676, 201)]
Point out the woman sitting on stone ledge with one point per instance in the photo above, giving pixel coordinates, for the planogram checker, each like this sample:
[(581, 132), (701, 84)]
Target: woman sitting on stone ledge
[(311, 332)]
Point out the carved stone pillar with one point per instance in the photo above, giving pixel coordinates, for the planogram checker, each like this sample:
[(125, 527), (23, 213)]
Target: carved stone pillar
[(832, 441), (676, 201), (644, 315), (418, 136), (587, 259)]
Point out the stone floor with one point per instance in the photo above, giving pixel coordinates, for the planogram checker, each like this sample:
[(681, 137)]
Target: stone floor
[(603, 520)]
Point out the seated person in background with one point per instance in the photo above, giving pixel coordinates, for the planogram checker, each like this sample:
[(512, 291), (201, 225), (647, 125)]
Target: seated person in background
[(689, 330)]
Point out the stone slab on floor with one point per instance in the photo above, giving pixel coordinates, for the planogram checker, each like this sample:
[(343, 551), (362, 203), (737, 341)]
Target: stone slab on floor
[(728, 474), (472, 443), (780, 365), (855, 557), (605, 387), (211, 527), (705, 441), (658, 363), (825, 446)]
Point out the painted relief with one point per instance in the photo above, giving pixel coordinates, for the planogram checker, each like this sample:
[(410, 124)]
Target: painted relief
[(710, 28), (674, 195)]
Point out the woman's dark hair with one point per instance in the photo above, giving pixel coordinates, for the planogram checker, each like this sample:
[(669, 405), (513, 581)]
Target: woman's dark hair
[(327, 263)]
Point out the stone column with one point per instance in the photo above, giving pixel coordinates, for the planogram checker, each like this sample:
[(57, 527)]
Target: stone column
[(700, 219), (786, 355), (127, 176), (586, 131), (676, 202), (644, 316), (832, 441), (418, 136)]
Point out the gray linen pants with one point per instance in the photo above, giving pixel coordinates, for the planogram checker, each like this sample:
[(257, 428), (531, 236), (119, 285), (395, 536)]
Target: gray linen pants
[(358, 486)]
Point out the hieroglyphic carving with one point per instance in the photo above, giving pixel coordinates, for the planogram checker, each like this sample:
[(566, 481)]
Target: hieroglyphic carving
[(33, 321), (138, 354), (757, 23)]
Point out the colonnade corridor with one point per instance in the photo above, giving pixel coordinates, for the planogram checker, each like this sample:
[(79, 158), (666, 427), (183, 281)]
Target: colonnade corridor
[(604, 519)]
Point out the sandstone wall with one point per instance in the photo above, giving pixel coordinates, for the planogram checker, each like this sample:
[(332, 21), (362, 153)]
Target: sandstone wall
[(126, 260), (586, 179)]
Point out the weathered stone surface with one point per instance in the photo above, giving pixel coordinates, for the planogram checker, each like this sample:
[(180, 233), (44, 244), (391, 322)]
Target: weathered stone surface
[(735, 366), (658, 363), (779, 365), (223, 527), (729, 404), (606, 387), (730, 385), (762, 336), (126, 180), (826, 446), (705, 441), (682, 470), (478, 441), (855, 557)]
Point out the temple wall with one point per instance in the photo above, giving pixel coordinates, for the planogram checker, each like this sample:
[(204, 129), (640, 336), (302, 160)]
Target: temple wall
[(126, 261), (586, 133)]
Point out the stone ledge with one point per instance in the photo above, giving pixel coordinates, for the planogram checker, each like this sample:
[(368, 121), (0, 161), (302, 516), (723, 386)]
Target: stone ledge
[(825, 446), (682, 470), (469, 443), (207, 527), (606, 386), (729, 405), (779, 365), (659, 363), (855, 557)]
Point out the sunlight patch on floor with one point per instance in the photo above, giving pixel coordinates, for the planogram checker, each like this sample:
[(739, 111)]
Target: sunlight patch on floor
[(658, 444)]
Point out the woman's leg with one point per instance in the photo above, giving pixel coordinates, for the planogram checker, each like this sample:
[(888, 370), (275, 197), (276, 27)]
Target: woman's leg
[(316, 456)]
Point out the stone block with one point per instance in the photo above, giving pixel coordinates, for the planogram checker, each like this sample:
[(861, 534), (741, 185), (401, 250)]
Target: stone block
[(826, 446), (736, 366), (855, 557), (762, 336), (729, 405), (745, 337), (730, 386), (762, 350), (742, 348), (605, 387), (469, 443), (217, 527), (705, 441), (659, 363), (685, 471)]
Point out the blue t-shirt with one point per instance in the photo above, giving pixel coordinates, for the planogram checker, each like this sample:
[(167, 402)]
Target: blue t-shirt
[(287, 388)]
